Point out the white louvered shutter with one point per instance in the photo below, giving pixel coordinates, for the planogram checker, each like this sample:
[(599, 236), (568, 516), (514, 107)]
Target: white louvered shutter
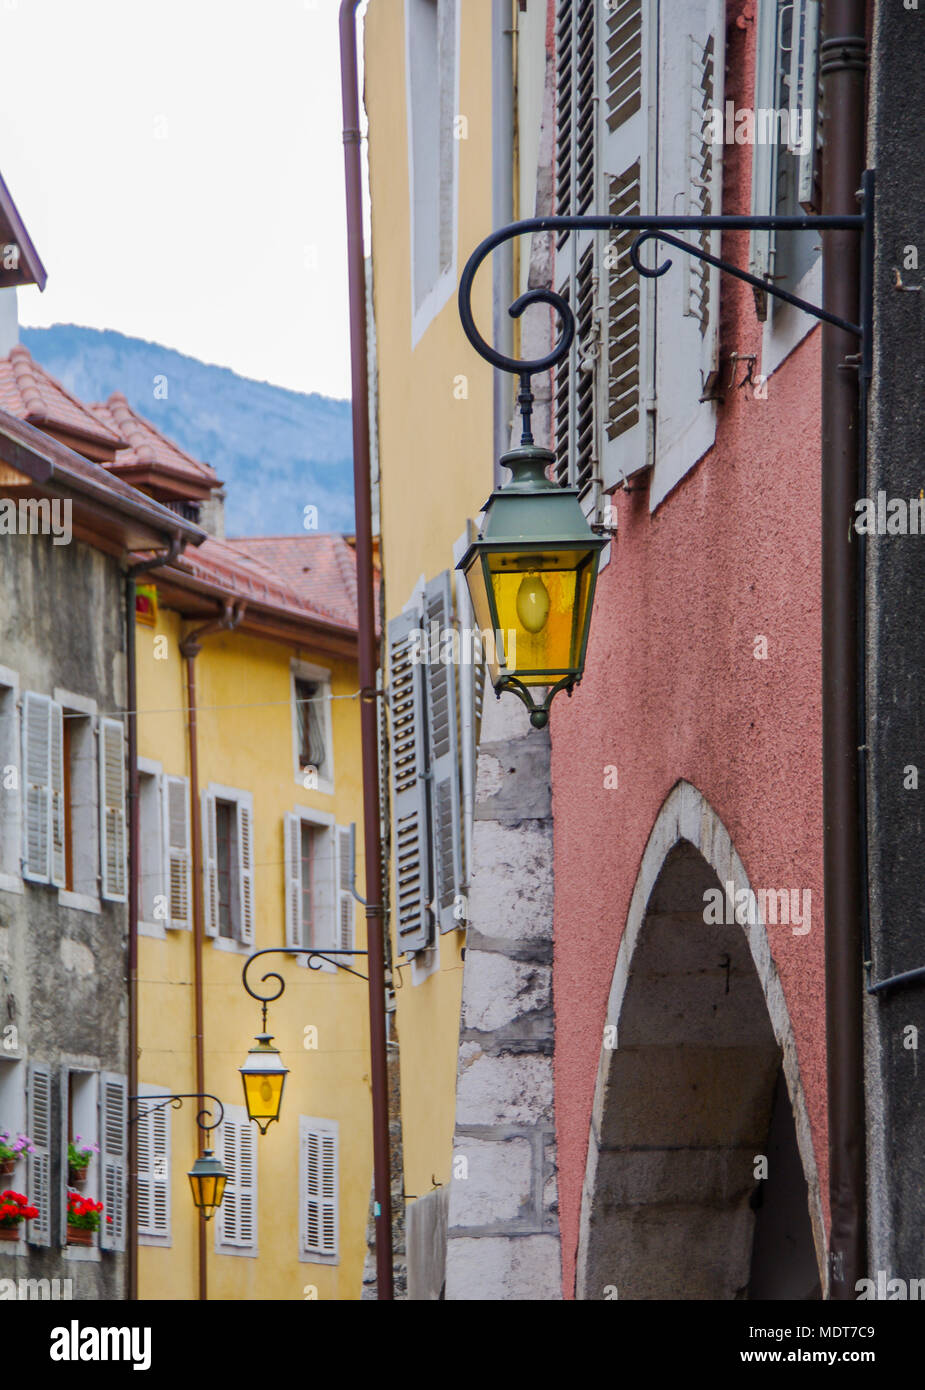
[(112, 1129), (691, 62), (471, 687), (237, 1215), (804, 95), (176, 841), (58, 822), (36, 762), (153, 1156), (346, 908), (626, 187), (577, 269), (410, 813), (38, 1127), (112, 810), (319, 1183), (209, 864), (245, 814), (247, 1186), (226, 1230), (443, 736), (292, 853)]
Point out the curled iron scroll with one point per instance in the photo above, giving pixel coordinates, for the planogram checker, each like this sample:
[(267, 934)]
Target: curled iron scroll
[(523, 368)]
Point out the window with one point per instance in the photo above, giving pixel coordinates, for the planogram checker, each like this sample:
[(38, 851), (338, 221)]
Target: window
[(10, 802), (428, 714), (785, 172), (227, 837), (80, 1125), (320, 908), (153, 1167), (619, 406), (13, 1117), (74, 826), (318, 1189), (236, 1218), (309, 696), (311, 725), (432, 103), (164, 832)]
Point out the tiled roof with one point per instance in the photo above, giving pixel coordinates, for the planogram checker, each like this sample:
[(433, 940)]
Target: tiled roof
[(224, 565), (29, 393), (320, 567), (148, 448)]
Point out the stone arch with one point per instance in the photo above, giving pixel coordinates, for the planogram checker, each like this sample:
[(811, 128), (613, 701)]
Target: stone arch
[(698, 1075)]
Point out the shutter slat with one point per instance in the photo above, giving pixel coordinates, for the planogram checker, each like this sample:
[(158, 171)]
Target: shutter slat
[(113, 1121), (292, 853), (209, 864), (36, 758), (177, 851), (38, 1127), (246, 869), (410, 802), (112, 810), (443, 733)]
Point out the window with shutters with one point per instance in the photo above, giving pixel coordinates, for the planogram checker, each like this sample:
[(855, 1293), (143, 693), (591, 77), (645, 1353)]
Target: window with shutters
[(786, 166), (318, 1187), (10, 798), (38, 1168), (228, 866), (311, 727), (427, 707), (236, 1218), (80, 803), (151, 891), (634, 81), (432, 45), (319, 868), (80, 1119), (43, 859), (153, 1156)]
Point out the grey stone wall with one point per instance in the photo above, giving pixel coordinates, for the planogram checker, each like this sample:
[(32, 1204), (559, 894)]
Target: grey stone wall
[(503, 1232), (63, 970)]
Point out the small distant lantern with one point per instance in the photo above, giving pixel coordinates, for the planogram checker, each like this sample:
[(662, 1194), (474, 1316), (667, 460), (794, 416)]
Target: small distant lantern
[(531, 575), (264, 1075), (207, 1179)]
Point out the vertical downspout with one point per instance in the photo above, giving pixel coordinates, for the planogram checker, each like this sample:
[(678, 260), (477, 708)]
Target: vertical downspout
[(502, 212), (367, 650), (843, 70), (134, 869), (190, 647)]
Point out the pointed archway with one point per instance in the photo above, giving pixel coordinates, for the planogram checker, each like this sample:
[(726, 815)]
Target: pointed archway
[(701, 1181)]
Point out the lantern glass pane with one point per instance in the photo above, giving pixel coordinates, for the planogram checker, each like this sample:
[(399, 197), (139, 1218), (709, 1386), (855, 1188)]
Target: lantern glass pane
[(263, 1092), (481, 596), (540, 599)]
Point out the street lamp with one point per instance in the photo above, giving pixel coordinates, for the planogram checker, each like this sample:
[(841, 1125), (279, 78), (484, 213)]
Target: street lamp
[(531, 575), (264, 1075), (207, 1180)]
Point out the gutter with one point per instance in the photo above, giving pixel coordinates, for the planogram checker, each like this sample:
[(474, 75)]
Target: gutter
[(367, 648), (134, 870), (190, 647), (843, 70), (502, 211)]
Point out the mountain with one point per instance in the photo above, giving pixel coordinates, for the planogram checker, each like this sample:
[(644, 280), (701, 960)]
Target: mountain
[(277, 451)]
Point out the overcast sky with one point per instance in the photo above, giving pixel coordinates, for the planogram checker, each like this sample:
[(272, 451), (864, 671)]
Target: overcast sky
[(179, 167)]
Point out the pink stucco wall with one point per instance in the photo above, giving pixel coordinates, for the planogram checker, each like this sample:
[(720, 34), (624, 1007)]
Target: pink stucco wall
[(672, 690)]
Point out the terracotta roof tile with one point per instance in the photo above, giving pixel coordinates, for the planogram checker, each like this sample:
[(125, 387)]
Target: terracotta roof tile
[(321, 567), (147, 447), (29, 393)]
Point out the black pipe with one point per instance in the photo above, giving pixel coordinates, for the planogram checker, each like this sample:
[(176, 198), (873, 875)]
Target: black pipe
[(843, 70)]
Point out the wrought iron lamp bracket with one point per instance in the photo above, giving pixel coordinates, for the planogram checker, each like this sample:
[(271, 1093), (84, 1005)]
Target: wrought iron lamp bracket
[(312, 957), (661, 228), (161, 1102)]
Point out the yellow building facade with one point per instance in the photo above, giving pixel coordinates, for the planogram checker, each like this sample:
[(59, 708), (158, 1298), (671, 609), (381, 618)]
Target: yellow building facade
[(430, 187), (276, 872)]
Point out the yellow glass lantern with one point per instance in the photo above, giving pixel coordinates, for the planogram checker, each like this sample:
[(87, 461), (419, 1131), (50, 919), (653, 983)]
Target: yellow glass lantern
[(264, 1075)]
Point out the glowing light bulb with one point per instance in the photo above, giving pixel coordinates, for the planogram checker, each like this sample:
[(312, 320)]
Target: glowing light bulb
[(533, 603)]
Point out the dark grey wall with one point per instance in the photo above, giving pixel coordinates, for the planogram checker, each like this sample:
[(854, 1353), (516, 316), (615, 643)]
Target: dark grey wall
[(896, 651), (63, 970)]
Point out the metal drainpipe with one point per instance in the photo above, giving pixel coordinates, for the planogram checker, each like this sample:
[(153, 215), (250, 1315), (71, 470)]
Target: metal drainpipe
[(367, 651), (843, 70), (502, 210), (177, 544), (190, 647)]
